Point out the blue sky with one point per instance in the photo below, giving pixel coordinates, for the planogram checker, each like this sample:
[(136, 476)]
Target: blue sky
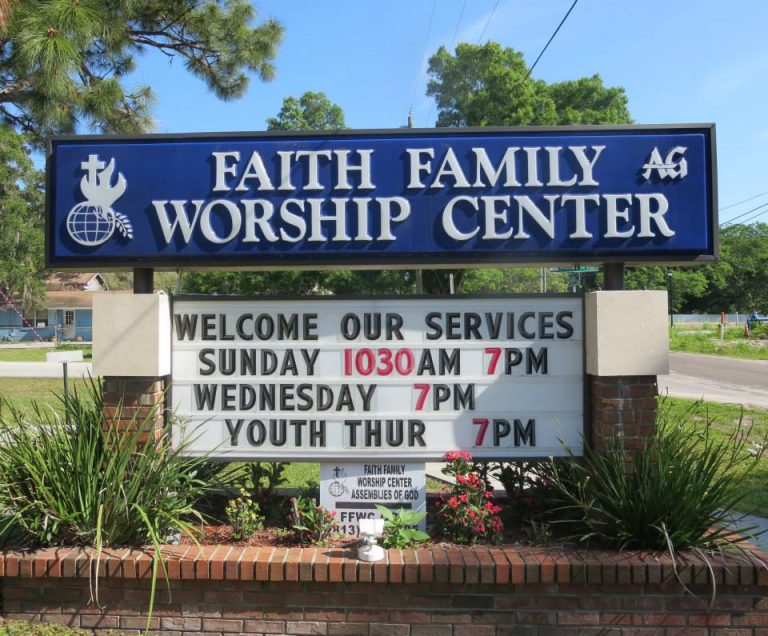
[(688, 61)]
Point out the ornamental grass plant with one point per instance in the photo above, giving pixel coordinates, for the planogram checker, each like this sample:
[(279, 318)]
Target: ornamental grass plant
[(677, 491), (68, 477)]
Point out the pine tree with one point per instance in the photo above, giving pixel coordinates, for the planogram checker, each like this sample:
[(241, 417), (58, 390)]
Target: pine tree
[(63, 62)]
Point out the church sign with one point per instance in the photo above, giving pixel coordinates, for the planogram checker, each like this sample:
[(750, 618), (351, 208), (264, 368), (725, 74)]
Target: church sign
[(395, 198), (404, 379)]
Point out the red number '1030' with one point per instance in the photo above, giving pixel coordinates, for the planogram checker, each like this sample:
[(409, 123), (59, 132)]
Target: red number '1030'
[(378, 361)]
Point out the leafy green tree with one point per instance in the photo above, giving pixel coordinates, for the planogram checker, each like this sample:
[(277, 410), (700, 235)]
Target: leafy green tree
[(311, 111), (523, 280), (739, 282), (384, 281), (64, 63), (21, 220), (488, 85), (251, 283), (684, 285), (63, 67)]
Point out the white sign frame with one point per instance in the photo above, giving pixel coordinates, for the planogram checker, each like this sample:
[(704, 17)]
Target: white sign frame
[(512, 434)]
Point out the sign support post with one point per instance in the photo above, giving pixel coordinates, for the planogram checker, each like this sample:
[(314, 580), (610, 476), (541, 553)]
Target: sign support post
[(613, 276), (143, 280)]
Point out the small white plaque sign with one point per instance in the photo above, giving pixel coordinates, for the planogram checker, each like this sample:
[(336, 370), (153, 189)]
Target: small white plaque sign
[(353, 490)]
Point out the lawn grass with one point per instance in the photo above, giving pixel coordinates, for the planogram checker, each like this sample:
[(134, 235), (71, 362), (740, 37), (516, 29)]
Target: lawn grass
[(13, 354), (705, 340), (726, 418), (301, 474), (22, 628), (22, 392)]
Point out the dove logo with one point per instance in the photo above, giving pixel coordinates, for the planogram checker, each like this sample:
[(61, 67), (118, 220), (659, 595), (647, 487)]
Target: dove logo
[(94, 221)]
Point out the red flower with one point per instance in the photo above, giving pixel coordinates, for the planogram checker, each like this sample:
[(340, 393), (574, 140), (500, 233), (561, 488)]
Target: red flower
[(452, 456)]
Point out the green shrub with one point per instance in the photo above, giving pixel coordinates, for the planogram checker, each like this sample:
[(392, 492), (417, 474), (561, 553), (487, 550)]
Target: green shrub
[(466, 514), (677, 491), (74, 480), (527, 486), (244, 515), (21, 628), (759, 329), (399, 531), (312, 523), (266, 477)]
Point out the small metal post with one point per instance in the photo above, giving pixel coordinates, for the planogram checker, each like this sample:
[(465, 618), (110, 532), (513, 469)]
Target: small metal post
[(66, 392)]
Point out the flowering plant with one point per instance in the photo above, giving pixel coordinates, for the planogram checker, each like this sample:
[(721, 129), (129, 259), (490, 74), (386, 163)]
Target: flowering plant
[(244, 516), (313, 524), (466, 513)]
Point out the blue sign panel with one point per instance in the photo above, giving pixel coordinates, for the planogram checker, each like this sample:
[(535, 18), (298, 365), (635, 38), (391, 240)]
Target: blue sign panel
[(428, 197)]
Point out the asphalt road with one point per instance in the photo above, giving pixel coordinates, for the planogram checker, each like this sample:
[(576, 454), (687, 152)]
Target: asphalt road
[(717, 379)]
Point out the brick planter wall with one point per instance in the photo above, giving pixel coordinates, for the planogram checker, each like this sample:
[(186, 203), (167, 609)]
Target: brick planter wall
[(623, 410), (132, 401), (428, 592)]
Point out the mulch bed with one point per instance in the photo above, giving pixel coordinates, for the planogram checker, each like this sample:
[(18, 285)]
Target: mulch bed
[(268, 537)]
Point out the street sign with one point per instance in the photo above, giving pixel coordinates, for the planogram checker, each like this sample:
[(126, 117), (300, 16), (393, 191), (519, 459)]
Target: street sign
[(577, 270)]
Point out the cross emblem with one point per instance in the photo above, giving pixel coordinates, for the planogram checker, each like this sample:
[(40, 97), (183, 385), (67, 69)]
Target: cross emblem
[(92, 166)]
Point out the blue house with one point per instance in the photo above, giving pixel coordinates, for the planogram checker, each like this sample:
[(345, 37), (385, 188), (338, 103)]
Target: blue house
[(67, 314)]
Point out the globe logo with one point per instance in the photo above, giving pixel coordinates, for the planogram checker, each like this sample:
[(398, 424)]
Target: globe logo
[(93, 221), (89, 224)]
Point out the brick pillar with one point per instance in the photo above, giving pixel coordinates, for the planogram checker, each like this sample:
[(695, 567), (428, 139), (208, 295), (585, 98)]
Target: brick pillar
[(130, 402), (623, 410)]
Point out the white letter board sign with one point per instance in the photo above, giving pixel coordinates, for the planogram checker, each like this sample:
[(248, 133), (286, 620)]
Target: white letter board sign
[(381, 379)]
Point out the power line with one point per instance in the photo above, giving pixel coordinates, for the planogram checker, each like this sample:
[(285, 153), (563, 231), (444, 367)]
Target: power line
[(562, 22), (738, 216), (423, 54), (453, 44), (751, 218), (733, 205), (458, 23), (488, 21)]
